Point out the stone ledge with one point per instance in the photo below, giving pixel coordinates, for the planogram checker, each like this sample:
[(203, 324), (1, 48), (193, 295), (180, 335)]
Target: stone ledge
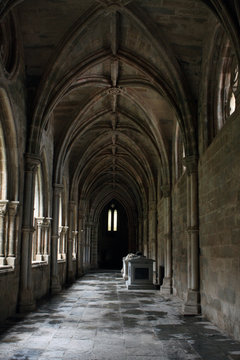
[(39, 263), (60, 261), (6, 269)]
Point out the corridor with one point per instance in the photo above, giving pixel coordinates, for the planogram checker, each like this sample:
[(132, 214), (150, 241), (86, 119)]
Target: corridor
[(97, 318)]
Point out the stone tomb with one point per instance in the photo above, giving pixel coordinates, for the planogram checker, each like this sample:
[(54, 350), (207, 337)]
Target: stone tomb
[(140, 273)]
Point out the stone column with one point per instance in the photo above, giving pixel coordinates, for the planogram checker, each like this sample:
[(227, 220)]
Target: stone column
[(140, 234), (152, 221), (152, 229), (39, 239), (26, 296), (55, 283), (160, 243), (64, 241), (192, 304), (3, 209), (46, 245), (75, 244), (166, 287), (80, 245), (93, 246), (12, 212), (70, 272), (145, 234)]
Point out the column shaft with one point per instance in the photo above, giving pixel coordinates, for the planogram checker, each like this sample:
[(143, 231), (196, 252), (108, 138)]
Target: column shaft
[(192, 304), (166, 287), (55, 283), (27, 301)]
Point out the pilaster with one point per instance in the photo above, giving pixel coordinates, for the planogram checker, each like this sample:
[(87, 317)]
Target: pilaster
[(70, 272), (3, 210), (12, 215), (166, 288), (55, 283), (26, 297), (192, 304)]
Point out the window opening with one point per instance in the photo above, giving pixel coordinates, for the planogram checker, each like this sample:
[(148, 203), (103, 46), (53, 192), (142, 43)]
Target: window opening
[(115, 220), (112, 219), (109, 220)]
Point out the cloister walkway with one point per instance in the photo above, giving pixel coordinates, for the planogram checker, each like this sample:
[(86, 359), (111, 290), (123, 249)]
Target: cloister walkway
[(97, 318)]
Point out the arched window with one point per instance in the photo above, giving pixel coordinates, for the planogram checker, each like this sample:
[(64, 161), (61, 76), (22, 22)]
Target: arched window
[(62, 237), (40, 241), (112, 218), (3, 199), (222, 83), (3, 167), (8, 188), (179, 153)]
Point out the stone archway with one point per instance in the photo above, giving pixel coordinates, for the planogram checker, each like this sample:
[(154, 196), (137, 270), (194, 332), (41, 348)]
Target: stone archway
[(112, 244)]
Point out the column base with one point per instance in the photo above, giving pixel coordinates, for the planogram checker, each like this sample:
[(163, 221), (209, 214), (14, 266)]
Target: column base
[(55, 285), (11, 260), (192, 305), (3, 261), (27, 303), (166, 288)]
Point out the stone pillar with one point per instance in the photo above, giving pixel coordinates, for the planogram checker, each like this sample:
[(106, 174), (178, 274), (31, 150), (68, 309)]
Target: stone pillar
[(12, 212), (55, 283), (80, 245), (88, 240), (62, 243), (152, 220), (75, 244), (46, 245), (145, 234), (3, 209), (71, 213), (26, 296), (192, 304), (152, 229), (140, 234), (93, 246), (39, 238), (160, 243), (166, 287)]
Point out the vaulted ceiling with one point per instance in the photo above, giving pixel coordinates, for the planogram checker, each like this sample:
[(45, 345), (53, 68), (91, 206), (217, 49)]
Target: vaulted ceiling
[(111, 78)]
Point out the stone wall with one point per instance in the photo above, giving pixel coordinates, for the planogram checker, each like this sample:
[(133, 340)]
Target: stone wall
[(62, 272), (41, 280), (8, 294), (219, 193), (179, 236)]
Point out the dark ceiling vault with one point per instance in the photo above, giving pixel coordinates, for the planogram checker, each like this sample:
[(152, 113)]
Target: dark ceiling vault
[(112, 78)]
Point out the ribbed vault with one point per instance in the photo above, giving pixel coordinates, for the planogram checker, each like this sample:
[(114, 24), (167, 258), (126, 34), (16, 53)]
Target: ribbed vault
[(112, 86)]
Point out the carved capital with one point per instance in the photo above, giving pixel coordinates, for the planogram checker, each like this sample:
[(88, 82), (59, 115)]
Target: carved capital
[(58, 188), (71, 205), (39, 221), (13, 207), (3, 207), (166, 190), (47, 222), (31, 162), (192, 229), (191, 163), (63, 229)]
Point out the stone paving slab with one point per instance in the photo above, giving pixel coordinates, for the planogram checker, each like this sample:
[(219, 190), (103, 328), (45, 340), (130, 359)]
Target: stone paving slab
[(97, 318)]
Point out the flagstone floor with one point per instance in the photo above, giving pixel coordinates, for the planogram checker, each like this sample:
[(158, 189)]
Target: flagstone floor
[(97, 318)]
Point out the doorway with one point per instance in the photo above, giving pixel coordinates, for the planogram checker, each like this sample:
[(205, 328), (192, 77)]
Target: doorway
[(113, 236)]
